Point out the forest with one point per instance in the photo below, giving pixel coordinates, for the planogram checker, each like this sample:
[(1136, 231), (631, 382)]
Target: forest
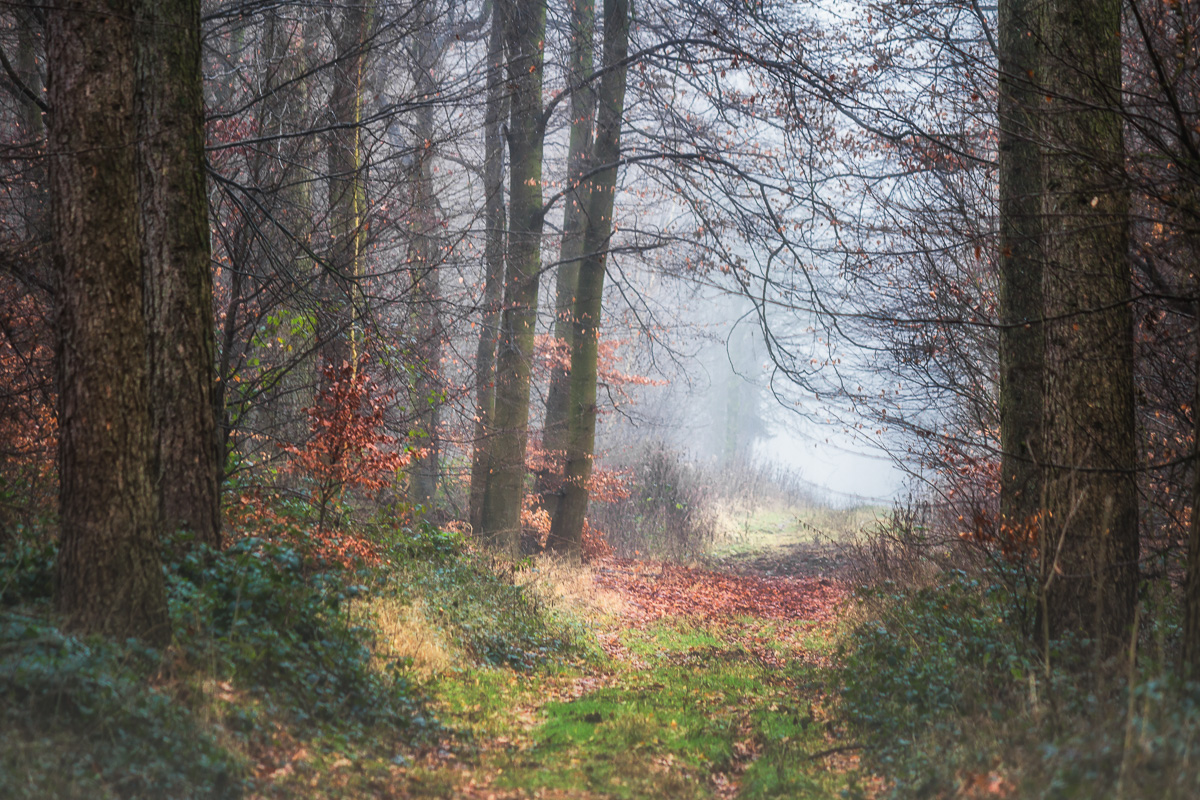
[(392, 394)]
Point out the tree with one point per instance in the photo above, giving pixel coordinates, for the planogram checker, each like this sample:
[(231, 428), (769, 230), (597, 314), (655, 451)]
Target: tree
[(1019, 263), (566, 532), (109, 575), (493, 259), (176, 260), (524, 35), (1088, 546), (575, 203)]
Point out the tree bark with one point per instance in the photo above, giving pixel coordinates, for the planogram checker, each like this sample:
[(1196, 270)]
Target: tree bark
[(177, 267), (1089, 542), (423, 266), (524, 34), (566, 532), (493, 258), (583, 114), (1022, 349), (336, 317), (109, 572)]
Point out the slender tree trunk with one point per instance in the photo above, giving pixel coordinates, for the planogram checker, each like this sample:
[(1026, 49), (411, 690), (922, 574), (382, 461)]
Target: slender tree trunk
[(1089, 542), (1022, 350), (109, 572), (177, 267), (338, 285), (524, 34), (566, 532), (583, 113), (423, 258), (493, 258)]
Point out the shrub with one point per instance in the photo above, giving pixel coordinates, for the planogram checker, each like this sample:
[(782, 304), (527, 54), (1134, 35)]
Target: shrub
[(253, 614), (26, 568), (77, 720), (668, 512)]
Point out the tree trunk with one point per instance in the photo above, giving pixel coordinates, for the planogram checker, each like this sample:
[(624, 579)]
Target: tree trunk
[(493, 258), (566, 532), (583, 113), (1089, 542), (423, 258), (1022, 349), (109, 572), (177, 267), (338, 285), (524, 34)]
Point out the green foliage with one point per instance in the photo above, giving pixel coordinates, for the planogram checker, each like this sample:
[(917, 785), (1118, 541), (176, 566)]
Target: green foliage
[(475, 602), (78, 720), (254, 616), (26, 568), (426, 543), (933, 659), (945, 693), (903, 669)]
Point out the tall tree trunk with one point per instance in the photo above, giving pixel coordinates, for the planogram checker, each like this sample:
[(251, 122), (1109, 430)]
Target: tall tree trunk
[(338, 285), (109, 572), (524, 35), (1022, 349), (1089, 542), (583, 114), (566, 532), (423, 258), (177, 266), (493, 259)]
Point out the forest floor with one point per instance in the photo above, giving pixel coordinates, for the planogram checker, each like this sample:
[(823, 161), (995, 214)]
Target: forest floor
[(709, 681)]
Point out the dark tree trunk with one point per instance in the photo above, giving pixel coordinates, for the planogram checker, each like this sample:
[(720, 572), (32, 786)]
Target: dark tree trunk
[(583, 114), (109, 571), (566, 532), (1089, 541), (1022, 349), (524, 35), (493, 259), (176, 260), (423, 266), (336, 315)]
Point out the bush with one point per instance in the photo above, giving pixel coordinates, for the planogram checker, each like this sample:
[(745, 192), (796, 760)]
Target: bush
[(77, 720), (668, 513), (26, 568), (949, 698), (253, 615)]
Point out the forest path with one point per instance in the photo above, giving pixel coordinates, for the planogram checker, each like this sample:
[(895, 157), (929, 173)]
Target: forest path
[(713, 687)]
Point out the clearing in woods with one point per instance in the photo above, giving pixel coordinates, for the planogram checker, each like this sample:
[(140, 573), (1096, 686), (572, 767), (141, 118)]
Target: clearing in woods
[(711, 684)]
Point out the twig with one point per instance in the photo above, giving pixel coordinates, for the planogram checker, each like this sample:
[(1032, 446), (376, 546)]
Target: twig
[(846, 748)]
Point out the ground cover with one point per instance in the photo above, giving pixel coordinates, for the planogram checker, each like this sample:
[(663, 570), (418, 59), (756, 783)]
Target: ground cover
[(443, 674)]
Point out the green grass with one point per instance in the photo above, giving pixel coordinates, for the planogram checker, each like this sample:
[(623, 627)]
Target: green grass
[(701, 709)]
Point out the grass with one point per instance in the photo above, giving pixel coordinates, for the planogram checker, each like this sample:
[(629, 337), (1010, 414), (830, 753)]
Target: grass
[(694, 713)]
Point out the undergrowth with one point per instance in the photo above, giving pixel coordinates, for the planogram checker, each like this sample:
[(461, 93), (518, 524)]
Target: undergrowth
[(276, 663), (948, 697)]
